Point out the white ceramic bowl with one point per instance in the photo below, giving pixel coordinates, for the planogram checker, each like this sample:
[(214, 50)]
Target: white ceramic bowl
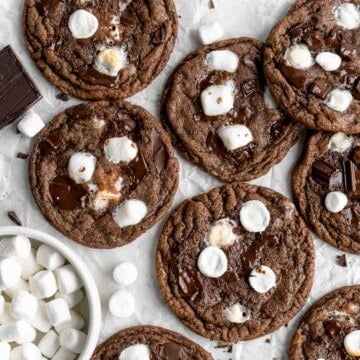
[(94, 306)]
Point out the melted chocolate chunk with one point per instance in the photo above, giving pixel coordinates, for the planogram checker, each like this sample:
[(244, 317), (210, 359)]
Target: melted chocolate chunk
[(51, 144), (327, 175), (357, 90), (334, 39), (12, 215), (170, 351), (320, 88), (347, 75), (296, 77), (190, 283), (333, 329), (160, 154), (352, 179), (136, 171), (66, 194), (315, 40)]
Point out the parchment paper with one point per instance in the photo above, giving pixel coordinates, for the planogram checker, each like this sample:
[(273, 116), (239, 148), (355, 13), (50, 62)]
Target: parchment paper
[(239, 18)]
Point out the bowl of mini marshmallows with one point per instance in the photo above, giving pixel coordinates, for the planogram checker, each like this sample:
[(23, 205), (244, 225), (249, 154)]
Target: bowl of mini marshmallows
[(49, 302)]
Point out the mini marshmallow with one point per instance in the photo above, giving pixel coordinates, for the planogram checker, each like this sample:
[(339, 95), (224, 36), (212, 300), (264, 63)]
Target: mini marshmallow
[(17, 246), (41, 321), (237, 314), (21, 285), (137, 351), (336, 201), (76, 322), (72, 299), (49, 344), (83, 24), (340, 142), (130, 212), (125, 274), (5, 316), (109, 61), (269, 100), (223, 60), (5, 350), (235, 136), (29, 265), (64, 354), (43, 284), (347, 15), (121, 304), (81, 167), (262, 279), (67, 279), (352, 343), (209, 33), (212, 262), (31, 124), (299, 57), (328, 61), (10, 272), (26, 352), (19, 331), (254, 216), (73, 340), (339, 100), (58, 312), (218, 99), (221, 233), (49, 258), (120, 149), (23, 306)]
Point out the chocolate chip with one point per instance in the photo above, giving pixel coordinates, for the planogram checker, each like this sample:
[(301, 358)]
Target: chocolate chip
[(14, 218), (327, 175), (315, 40), (341, 260), (62, 97), (21, 155), (296, 77), (320, 88)]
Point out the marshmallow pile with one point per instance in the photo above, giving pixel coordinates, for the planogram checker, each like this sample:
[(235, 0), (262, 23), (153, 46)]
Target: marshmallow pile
[(121, 302), (213, 262), (38, 294)]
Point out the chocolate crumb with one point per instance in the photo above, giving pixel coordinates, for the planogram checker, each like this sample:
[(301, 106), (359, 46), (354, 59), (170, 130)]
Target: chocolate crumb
[(268, 341), (21, 155), (62, 97), (14, 218), (341, 260)]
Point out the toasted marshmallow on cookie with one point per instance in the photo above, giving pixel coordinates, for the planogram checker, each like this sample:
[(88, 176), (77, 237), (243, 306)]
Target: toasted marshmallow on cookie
[(336, 201), (223, 60), (137, 351), (130, 212), (352, 343), (254, 216), (81, 167), (340, 142), (347, 15), (339, 100), (237, 314), (120, 149), (328, 61), (109, 61), (218, 99), (235, 136), (299, 57), (212, 262), (83, 24), (221, 233), (262, 279)]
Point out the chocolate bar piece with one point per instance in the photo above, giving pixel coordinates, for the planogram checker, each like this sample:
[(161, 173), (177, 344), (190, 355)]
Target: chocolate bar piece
[(17, 91), (327, 175), (352, 179)]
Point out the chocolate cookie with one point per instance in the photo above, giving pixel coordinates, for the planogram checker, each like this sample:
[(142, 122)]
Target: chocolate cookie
[(106, 49), (236, 263), (103, 173), (220, 115), (326, 188), (149, 342), (312, 64), (330, 330)]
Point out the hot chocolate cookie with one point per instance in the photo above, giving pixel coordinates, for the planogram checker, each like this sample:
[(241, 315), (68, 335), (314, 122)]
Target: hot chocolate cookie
[(220, 114), (149, 342), (93, 49), (103, 173), (331, 328), (326, 188), (312, 64), (236, 263)]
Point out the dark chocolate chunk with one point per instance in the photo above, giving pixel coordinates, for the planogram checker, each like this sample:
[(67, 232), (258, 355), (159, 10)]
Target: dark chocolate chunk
[(327, 175), (356, 156), (62, 97), (14, 218), (296, 77), (341, 260), (160, 154), (352, 179), (17, 91), (21, 155), (320, 88), (315, 40), (333, 40), (357, 90), (297, 33), (349, 51)]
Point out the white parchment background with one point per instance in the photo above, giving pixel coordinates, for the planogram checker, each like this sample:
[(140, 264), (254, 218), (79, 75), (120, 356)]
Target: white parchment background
[(239, 18)]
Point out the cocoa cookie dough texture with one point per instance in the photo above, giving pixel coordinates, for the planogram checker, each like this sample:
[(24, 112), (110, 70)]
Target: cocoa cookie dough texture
[(94, 49)]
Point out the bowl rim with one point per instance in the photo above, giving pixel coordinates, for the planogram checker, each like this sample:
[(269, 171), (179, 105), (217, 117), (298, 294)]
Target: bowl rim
[(90, 287)]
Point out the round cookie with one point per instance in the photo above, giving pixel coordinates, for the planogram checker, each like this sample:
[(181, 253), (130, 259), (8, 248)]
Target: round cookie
[(324, 332), (149, 342), (312, 64), (326, 188), (99, 50), (236, 263), (249, 135), (103, 173)]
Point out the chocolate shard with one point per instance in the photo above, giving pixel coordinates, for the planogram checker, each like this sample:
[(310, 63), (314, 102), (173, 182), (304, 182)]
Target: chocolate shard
[(14, 218), (17, 91), (160, 154), (327, 175), (320, 88), (296, 77), (352, 179), (62, 97)]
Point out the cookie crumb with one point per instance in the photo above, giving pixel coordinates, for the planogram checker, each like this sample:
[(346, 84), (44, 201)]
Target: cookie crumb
[(341, 260), (62, 97), (14, 218), (21, 155), (268, 341)]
